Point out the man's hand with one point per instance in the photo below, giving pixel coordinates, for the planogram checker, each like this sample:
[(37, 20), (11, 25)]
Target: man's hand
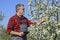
[(17, 33), (42, 20), (21, 34)]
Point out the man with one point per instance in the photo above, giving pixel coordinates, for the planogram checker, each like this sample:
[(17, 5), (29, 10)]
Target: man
[(18, 24)]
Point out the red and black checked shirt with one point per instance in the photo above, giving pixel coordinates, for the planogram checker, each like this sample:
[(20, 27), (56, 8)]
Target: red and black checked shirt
[(14, 22)]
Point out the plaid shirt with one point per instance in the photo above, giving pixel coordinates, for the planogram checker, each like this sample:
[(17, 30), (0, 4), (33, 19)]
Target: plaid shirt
[(14, 22)]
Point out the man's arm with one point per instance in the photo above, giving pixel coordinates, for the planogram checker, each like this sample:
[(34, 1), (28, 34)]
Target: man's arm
[(17, 33), (36, 23), (10, 26)]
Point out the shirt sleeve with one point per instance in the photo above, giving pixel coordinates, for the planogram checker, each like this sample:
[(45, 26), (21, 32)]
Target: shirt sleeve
[(29, 22), (10, 25)]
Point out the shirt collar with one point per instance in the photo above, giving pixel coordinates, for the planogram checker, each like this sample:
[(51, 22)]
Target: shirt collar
[(18, 16)]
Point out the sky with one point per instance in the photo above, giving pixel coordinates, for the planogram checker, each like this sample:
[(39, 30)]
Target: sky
[(8, 9)]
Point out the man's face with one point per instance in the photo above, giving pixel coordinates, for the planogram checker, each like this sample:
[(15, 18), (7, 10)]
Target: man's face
[(21, 10)]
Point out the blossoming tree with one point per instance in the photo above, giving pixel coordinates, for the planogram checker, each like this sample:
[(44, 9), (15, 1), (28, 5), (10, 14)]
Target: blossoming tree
[(50, 29)]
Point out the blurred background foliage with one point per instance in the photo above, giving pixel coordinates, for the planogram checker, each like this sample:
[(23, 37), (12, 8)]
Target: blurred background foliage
[(3, 31)]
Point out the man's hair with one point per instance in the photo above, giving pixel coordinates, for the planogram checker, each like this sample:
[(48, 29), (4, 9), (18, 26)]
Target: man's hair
[(18, 6)]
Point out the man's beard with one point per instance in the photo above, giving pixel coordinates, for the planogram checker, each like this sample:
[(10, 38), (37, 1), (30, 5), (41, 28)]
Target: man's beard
[(22, 14)]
